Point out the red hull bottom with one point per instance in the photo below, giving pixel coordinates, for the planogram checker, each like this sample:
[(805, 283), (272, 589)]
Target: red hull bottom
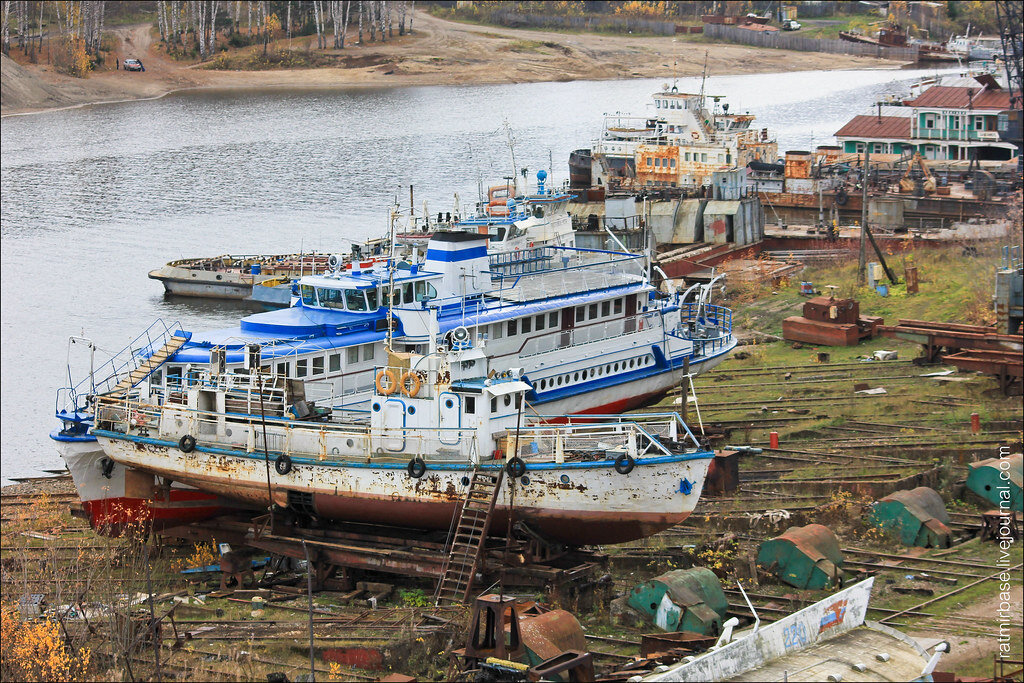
[(113, 516)]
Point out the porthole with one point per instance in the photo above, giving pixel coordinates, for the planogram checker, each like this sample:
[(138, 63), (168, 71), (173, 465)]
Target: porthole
[(564, 479), (227, 432), (412, 409), (465, 481), (220, 277), (448, 403), (376, 407), (350, 443), (336, 450), (576, 377), (632, 363), (591, 372), (559, 380), (508, 400), (525, 481)]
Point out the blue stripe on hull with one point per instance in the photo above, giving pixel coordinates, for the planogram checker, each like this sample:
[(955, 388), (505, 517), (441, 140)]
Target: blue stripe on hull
[(300, 460)]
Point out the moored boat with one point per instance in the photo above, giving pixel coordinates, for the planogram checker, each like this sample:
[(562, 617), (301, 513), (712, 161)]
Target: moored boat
[(434, 421)]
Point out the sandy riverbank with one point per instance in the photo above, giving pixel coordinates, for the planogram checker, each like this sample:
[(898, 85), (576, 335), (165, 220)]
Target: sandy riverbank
[(440, 52)]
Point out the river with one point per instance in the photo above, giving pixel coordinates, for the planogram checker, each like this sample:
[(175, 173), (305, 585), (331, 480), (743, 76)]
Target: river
[(95, 197)]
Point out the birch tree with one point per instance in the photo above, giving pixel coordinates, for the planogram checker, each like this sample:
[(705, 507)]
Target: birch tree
[(7, 27)]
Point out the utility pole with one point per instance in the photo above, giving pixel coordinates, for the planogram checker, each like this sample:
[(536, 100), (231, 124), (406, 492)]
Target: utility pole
[(862, 262)]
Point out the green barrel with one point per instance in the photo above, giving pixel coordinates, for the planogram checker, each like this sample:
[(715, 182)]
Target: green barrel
[(917, 518), (804, 557), (682, 600), (998, 480)]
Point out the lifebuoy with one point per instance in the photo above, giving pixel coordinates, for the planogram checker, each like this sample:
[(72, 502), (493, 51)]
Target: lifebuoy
[(187, 443), (624, 464), (392, 382), (411, 383), (841, 197), (417, 468), (695, 135), (283, 464), (515, 467)]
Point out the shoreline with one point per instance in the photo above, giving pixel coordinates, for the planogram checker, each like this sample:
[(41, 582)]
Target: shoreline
[(439, 53), (301, 85)]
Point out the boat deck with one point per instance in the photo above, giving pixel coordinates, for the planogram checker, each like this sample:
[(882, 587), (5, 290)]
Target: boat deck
[(535, 286)]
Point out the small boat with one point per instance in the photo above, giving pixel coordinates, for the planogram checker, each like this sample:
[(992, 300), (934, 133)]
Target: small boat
[(435, 421), (234, 276), (510, 221)]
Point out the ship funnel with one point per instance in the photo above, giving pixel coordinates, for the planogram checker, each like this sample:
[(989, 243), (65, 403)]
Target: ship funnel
[(461, 257)]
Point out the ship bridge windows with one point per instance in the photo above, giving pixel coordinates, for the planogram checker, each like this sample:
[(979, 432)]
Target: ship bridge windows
[(330, 298), (355, 300), (411, 292), (308, 295)]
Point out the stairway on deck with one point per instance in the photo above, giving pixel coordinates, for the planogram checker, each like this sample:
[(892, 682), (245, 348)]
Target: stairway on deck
[(147, 366)]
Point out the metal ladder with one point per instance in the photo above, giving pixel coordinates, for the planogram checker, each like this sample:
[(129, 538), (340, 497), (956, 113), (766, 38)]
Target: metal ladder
[(468, 541), (148, 366)]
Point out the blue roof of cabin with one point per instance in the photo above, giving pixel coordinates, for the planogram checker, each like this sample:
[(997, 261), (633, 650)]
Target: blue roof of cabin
[(300, 321)]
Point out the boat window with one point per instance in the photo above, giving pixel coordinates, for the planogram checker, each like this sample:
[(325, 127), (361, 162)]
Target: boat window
[(302, 367), (538, 323), (334, 362), (469, 405), (174, 377), (330, 298), (308, 295), (157, 378), (282, 369), (498, 330), (494, 405), (500, 237), (657, 104), (425, 291), (657, 163), (553, 319), (686, 156), (371, 297), (355, 300), (513, 327), (606, 308), (526, 325), (672, 163), (352, 355), (368, 351), (593, 311), (318, 365), (617, 306), (581, 313), (650, 161), (704, 157)]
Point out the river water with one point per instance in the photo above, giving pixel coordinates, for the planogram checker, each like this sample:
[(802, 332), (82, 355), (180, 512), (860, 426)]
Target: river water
[(93, 198)]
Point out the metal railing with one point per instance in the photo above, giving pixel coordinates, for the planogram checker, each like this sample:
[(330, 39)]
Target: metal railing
[(587, 334), (74, 397)]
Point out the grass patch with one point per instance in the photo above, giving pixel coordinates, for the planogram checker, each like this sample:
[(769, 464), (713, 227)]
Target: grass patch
[(277, 59)]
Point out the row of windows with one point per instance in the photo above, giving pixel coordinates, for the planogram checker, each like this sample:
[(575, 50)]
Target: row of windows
[(366, 300), (543, 321), (599, 371), (670, 104), (317, 366)]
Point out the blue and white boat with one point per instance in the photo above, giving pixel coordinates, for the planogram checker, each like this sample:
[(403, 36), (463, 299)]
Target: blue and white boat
[(585, 329)]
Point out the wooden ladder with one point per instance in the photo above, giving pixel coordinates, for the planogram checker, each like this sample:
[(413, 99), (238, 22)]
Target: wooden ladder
[(468, 542), (147, 366)]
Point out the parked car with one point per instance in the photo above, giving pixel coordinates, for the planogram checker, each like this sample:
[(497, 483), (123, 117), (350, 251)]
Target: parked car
[(791, 25), (133, 65)]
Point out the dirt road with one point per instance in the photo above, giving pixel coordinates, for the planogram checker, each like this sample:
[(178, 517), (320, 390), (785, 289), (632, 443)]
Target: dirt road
[(439, 52)]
